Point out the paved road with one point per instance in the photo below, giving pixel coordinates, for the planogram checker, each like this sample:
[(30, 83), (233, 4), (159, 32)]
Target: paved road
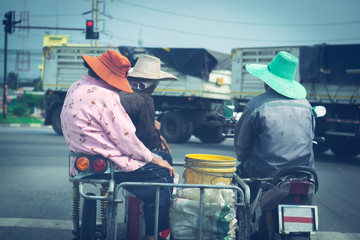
[(36, 195)]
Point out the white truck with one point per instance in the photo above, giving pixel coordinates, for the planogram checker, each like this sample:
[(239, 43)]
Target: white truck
[(184, 107), (331, 76)]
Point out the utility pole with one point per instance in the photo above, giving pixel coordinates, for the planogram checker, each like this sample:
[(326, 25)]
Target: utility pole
[(5, 80), (95, 17)]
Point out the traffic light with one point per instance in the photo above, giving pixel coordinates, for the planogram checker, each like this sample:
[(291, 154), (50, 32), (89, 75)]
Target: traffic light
[(9, 22), (90, 34)]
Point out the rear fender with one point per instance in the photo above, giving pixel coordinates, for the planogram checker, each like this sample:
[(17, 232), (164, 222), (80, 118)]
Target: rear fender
[(277, 194)]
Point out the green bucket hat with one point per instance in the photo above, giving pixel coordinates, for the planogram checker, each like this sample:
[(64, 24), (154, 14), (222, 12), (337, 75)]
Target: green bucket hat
[(279, 75)]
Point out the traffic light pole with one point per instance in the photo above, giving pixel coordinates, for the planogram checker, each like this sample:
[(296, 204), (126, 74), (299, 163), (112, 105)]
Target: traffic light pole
[(95, 15), (5, 60), (9, 23), (5, 80)]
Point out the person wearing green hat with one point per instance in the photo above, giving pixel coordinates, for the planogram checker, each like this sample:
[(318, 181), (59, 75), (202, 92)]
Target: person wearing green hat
[(277, 127)]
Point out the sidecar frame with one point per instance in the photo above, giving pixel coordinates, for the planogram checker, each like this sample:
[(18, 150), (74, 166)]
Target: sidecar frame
[(108, 227)]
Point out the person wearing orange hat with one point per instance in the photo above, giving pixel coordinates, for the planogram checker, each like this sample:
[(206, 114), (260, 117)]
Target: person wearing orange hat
[(94, 122)]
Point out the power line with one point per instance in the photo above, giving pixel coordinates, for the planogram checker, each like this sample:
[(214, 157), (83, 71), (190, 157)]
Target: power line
[(13, 51), (227, 37), (57, 15), (122, 38), (243, 22)]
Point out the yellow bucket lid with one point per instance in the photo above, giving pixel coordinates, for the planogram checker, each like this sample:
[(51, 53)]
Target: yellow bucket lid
[(209, 157), (209, 161)]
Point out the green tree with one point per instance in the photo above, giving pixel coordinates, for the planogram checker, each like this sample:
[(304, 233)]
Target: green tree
[(38, 84), (26, 104), (13, 80)]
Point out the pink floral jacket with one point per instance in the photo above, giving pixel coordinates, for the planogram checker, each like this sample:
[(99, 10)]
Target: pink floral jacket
[(94, 122)]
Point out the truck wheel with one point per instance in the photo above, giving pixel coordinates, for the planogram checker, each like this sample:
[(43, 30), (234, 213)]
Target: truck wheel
[(176, 128), (343, 146), (211, 135), (320, 147), (55, 121), (88, 219)]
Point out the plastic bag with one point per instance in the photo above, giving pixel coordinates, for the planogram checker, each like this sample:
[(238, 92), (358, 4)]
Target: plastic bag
[(219, 221)]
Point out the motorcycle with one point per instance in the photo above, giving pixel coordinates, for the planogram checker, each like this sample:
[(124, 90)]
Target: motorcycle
[(283, 207), (281, 210)]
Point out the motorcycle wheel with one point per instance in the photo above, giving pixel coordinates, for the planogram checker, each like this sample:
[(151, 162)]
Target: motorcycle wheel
[(88, 219), (262, 234), (301, 236)]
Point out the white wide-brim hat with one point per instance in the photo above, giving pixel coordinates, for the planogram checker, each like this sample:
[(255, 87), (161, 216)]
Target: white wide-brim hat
[(148, 67)]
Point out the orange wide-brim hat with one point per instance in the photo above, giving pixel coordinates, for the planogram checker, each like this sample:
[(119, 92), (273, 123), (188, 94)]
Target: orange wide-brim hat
[(112, 67)]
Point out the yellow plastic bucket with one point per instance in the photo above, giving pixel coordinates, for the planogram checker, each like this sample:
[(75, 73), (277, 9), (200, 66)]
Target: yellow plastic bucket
[(209, 169)]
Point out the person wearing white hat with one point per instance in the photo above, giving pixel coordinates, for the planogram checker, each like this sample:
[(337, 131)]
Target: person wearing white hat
[(139, 105), (143, 79), (277, 127)]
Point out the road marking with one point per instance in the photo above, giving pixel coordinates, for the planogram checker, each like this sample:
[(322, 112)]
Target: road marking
[(68, 225), (335, 235), (38, 125), (36, 223)]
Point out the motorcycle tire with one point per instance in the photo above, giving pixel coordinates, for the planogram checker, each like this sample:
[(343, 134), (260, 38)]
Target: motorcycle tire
[(301, 236), (88, 219)]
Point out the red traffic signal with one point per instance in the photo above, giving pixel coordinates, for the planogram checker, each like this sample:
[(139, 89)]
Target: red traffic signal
[(90, 34), (90, 23)]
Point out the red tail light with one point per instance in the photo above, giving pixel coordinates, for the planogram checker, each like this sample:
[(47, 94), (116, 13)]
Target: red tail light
[(297, 199), (99, 165), (299, 187)]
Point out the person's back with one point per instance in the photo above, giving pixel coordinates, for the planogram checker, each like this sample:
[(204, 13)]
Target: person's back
[(140, 108), (144, 78), (280, 136), (277, 127)]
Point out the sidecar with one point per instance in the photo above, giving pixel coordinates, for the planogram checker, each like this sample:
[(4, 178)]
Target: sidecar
[(102, 195)]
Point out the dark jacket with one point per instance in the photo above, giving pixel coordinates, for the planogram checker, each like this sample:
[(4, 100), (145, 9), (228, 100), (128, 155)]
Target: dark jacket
[(140, 108)]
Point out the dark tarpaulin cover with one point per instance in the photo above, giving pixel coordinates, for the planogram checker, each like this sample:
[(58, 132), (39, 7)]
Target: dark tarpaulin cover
[(197, 62), (328, 64)]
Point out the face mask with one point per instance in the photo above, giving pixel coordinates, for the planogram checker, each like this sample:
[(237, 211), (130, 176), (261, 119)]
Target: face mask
[(143, 85)]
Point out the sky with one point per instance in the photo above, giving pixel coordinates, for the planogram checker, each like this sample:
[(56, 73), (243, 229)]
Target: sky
[(219, 25)]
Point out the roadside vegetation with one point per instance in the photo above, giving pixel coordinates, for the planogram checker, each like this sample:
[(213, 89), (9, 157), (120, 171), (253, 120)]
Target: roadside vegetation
[(21, 120), (21, 110)]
